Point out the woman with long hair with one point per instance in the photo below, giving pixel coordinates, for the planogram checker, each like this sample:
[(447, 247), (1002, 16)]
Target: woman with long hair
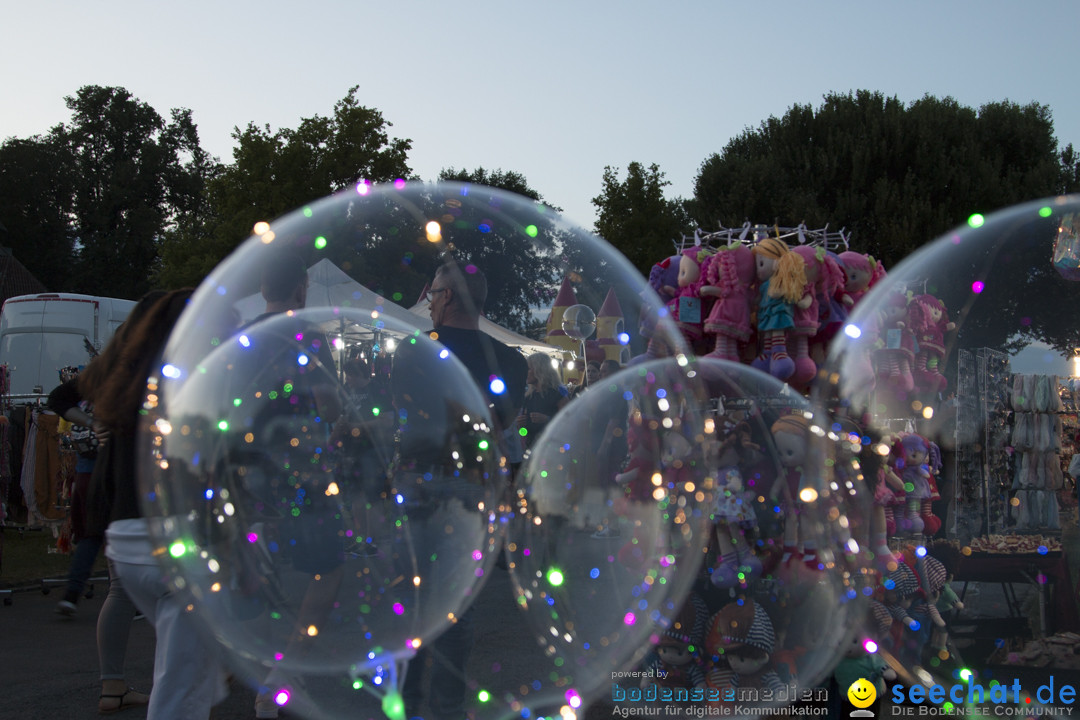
[(187, 676)]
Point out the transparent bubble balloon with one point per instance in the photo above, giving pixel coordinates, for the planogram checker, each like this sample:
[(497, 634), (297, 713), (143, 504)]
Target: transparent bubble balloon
[(579, 322), (327, 455), (959, 368), (700, 518)]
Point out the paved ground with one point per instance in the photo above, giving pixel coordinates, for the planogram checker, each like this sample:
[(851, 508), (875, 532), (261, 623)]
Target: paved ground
[(50, 669)]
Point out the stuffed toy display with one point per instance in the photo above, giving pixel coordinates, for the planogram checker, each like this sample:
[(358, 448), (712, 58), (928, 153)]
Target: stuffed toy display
[(731, 281), (739, 646), (782, 275), (947, 601), (676, 660)]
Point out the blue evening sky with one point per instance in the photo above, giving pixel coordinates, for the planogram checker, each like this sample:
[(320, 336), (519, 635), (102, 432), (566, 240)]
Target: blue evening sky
[(555, 90)]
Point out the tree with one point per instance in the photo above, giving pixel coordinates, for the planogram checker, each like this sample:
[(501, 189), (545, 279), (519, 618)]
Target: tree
[(899, 176), (273, 173), (895, 176), (129, 186), (36, 193), (636, 218)]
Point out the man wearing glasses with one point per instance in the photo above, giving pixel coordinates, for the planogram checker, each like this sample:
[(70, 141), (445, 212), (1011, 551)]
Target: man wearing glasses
[(456, 299)]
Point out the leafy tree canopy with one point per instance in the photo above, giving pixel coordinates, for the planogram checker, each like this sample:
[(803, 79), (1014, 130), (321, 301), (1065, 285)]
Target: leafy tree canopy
[(636, 218), (274, 173), (894, 175)]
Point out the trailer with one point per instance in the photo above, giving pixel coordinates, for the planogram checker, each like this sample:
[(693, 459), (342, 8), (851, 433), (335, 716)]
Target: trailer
[(42, 333)]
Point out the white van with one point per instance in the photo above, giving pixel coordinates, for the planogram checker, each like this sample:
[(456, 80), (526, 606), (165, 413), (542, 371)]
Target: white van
[(40, 334)]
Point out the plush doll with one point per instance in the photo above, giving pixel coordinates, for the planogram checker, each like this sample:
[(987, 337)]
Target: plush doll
[(911, 462), (947, 601), (791, 436), (935, 578), (686, 304), (643, 446), (734, 518), (833, 313), (931, 522), (663, 279), (900, 586), (861, 273), (740, 642), (782, 275), (731, 279), (896, 346), (676, 660), (859, 663), (807, 315), (888, 494), (930, 334)]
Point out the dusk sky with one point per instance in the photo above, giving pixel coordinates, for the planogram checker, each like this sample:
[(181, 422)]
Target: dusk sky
[(554, 90)]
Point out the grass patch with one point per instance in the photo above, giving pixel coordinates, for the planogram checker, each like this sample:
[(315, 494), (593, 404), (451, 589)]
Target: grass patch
[(25, 558)]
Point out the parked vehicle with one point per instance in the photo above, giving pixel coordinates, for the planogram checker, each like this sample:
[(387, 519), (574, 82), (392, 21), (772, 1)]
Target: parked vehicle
[(42, 333)]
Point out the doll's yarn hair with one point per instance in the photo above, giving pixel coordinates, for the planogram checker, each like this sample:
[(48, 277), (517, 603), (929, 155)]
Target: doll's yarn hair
[(929, 302), (831, 276), (698, 253), (794, 424), (665, 272), (789, 276), (865, 263)]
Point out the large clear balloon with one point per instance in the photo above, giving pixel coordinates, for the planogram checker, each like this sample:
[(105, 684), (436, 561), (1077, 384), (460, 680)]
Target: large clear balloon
[(330, 481), (712, 531), (959, 368)]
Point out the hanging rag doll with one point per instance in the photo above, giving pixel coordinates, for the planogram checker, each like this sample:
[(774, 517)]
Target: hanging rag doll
[(791, 436), (686, 303), (947, 602), (858, 663), (782, 275), (930, 334), (731, 280), (735, 522), (663, 277), (807, 315), (896, 347), (934, 578), (888, 495), (676, 661), (833, 313), (643, 446), (739, 645), (861, 273), (931, 522), (911, 462)]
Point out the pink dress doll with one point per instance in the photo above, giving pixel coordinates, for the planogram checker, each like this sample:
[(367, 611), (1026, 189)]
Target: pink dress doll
[(862, 272), (807, 315), (912, 465), (782, 275), (931, 337), (896, 342), (832, 313), (730, 278), (686, 306)]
